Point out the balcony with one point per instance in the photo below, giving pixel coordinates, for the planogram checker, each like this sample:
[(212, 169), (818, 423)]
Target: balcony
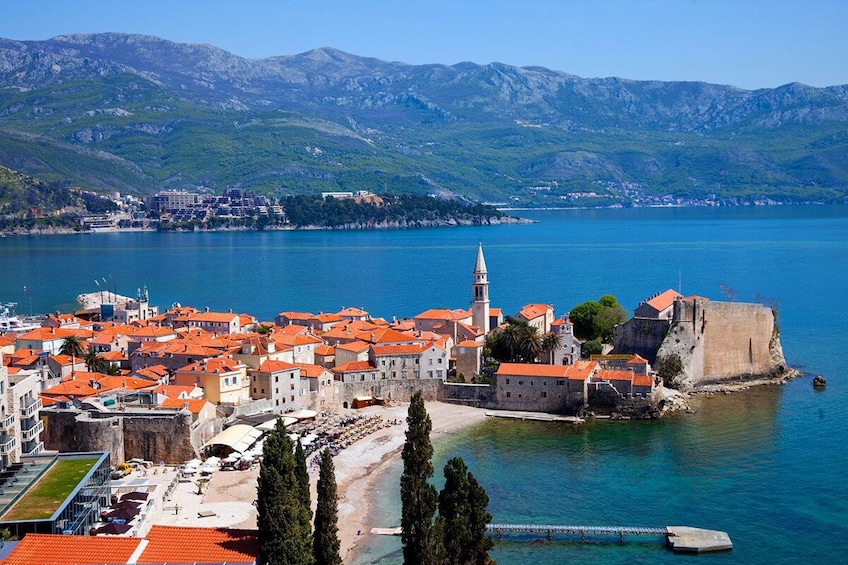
[(7, 423), (8, 445), (32, 432), (39, 447), (30, 407)]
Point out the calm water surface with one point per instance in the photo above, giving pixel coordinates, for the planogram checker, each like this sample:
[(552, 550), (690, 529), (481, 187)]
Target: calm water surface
[(766, 465)]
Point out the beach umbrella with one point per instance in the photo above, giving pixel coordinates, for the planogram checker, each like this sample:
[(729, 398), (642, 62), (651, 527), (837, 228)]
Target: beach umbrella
[(122, 515), (131, 505), (135, 495), (213, 460), (113, 529), (231, 458), (194, 463)]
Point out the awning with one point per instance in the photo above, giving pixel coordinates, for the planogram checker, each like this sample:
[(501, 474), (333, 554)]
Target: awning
[(238, 437), (303, 414), (269, 425)]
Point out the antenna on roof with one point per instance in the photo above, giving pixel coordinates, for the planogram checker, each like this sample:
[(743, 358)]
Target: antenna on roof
[(680, 282)]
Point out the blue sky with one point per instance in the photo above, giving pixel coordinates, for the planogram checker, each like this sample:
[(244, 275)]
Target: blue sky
[(747, 43)]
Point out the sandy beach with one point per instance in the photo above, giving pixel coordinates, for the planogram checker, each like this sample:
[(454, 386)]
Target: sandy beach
[(228, 497)]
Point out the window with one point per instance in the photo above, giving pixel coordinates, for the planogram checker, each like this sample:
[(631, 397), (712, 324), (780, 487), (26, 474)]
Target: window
[(276, 391), (561, 382), (383, 362), (508, 394), (520, 383), (254, 390), (292, 398), (440, 360), (544, 394), (292, 386), (276, 378), (254, 378), (507, 381), (263, 391)]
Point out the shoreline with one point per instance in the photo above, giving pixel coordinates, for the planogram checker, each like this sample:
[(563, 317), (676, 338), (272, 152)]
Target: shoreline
[(361, 468)]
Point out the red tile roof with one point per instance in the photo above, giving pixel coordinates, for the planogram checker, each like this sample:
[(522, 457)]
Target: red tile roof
[(637, 360), (643, 380), (355, 366), (533, 311), (614, 375), (663, 300), (443, 314), (272, 366), (174, 544), (581, 370), (532, 370), (194, 405), (55, 549)]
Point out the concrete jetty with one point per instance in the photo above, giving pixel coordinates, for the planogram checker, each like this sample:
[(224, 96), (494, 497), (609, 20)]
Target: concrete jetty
[(537, 416), (680, 539), (685, 539)]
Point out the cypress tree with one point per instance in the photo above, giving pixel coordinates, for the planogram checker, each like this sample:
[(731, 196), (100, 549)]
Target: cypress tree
[(284, 529), (418, 497), (325, 540), (463, 517), (302, 474)]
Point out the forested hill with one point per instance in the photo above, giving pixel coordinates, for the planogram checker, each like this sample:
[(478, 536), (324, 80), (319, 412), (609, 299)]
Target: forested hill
[(139, 114), (27, 203)]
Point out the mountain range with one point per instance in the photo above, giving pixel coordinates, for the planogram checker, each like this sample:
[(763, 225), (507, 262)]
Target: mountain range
[(139, 114)]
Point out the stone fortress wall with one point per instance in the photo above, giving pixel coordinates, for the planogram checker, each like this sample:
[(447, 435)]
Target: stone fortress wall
[(722, 341)]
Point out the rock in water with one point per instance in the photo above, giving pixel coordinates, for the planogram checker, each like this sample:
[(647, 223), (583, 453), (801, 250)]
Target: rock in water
[(819, 382)]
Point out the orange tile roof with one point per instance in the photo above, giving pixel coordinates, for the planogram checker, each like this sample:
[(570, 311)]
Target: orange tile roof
[(355, 366), (643, 380), (272, 366), (295, 315), (68, 388), (444, 314), (637, 360), (327, 318), (354, 312), (532, 370), (56, 549), (354, 346), (533, 311), (154, 372), (213, 317), (325, 350), (195, 405), (664, 300), (404, 349), (614, 375), (175, 544), (110, 383), (152, 332), (469, 343), (581, 370), (216, 365), (385, 335), (495, 311), (311, 371)]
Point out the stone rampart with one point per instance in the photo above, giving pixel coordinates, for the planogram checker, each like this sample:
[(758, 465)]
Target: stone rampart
[(642, 336), (722, 341), (153, 436), (479, 396)]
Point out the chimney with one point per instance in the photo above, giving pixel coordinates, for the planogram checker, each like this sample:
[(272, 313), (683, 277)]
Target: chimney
[(206, 309)]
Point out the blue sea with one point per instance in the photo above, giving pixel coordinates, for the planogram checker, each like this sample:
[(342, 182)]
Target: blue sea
[(766, 465)]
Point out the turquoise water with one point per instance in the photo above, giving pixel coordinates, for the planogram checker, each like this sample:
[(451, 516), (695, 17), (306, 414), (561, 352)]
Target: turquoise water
[(767, 465)]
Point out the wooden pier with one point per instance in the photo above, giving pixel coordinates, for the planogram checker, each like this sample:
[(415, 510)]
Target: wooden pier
[(681, 539)]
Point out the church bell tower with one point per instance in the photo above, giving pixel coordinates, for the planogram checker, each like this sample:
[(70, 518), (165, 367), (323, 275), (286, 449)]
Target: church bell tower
[(480, 290)]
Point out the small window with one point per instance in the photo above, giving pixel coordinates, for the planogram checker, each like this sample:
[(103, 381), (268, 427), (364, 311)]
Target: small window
[(544, 394), (508, 394), (507, 381), (263, 391), (520, 383)]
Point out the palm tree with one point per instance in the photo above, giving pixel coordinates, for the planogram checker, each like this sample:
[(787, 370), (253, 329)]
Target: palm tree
[(551, 341), (530, 345), (94, 362), (72, 346)]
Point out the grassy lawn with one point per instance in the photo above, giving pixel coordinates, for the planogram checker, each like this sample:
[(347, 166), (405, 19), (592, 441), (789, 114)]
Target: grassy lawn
[(54, 487)]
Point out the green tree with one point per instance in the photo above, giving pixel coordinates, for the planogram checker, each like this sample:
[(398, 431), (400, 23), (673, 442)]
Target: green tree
[(594, 320), (463, 517), (325, 540), (418, 496), (551, 341), (72, 346), (94, 362), (302, 474), (284, 529)]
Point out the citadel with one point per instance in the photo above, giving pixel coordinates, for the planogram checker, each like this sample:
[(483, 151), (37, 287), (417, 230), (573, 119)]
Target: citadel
[(185, 383)]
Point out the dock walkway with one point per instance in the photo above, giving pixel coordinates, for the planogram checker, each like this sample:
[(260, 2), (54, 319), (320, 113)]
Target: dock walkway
[(680, 539)]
